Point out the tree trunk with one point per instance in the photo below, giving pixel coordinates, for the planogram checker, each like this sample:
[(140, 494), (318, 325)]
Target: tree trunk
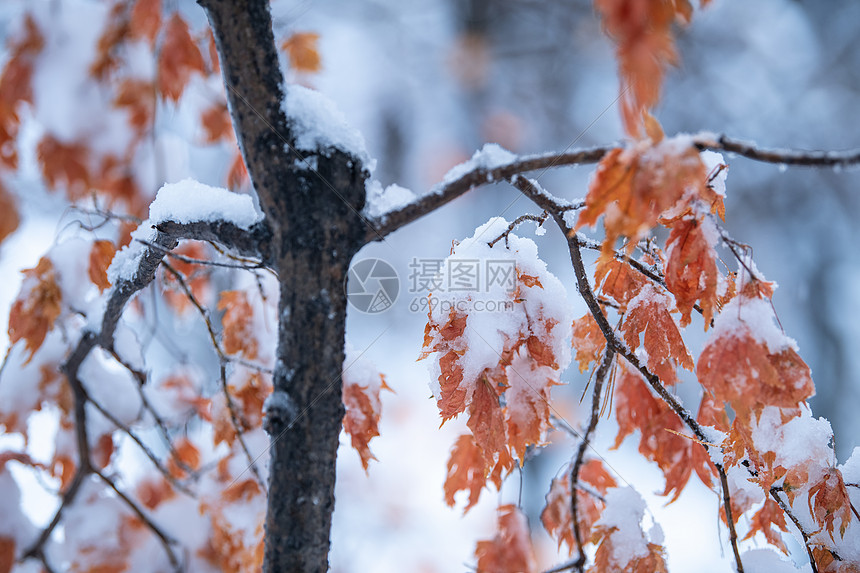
[(312, 215), (306, 411)]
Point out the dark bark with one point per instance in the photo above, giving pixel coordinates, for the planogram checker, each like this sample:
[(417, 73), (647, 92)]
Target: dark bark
[(312, 214)]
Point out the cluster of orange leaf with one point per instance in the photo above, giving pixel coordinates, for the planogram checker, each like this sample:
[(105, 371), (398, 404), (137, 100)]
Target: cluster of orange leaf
[(755, 384), (507, 402), (66, 289)]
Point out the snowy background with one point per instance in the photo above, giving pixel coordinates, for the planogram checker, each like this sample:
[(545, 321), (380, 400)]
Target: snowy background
[(429, 82)]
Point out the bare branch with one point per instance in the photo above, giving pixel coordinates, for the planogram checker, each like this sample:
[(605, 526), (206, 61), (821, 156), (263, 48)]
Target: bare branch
[(167, 238), (779, 156), (602, 372), (446, 192), (774, 493), (167, 542)]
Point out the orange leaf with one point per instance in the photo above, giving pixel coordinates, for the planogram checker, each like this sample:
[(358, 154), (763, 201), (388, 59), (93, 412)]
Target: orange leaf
[(16, 86), (634, 187), (691, 271), (302, 50), (66, 164), (238, 323), (37, 306), (9, 218), (486, 419), (179, 57), (152, 492), (661, 440), (738, 368), (101, 256), (361, 420), (115, 32), (510, 551), (588, 341), (466, 471), (216, 123), (7, 554), (619, 280), (186, 455), (241, 491), (237, 175), (145, 20), (764, 519), (138, 98), (645, 47), (829, 501), (649, 313)]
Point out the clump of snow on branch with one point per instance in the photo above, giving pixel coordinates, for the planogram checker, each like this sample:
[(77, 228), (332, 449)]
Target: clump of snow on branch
[(490, 156), (381, 201), (317, 123), (189, 201)]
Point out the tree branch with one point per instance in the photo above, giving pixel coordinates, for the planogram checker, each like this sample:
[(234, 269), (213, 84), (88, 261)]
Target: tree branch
[(549, 203), (602, 371), (446, 192), (166, 239), (779, 156)]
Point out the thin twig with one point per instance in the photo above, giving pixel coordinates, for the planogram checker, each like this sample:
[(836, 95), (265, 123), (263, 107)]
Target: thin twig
[(167, 542), (539, 219), (614, 341), (600, 377), (774, 493)]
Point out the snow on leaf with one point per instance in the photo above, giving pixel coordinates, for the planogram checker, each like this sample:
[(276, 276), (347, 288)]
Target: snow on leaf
[(303, 52), (740, 369), (691, 271), (37, 306), (622, 546), (238, 324), (101, 255), (516, 353), (178, 59), (510, 551), (648, 313)]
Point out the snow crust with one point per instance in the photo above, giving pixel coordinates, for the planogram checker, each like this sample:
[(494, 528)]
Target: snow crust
[(189, 201), (381, 201), (756, 316), (318, 123), (487, 331), (490, 156), (624, 511)]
